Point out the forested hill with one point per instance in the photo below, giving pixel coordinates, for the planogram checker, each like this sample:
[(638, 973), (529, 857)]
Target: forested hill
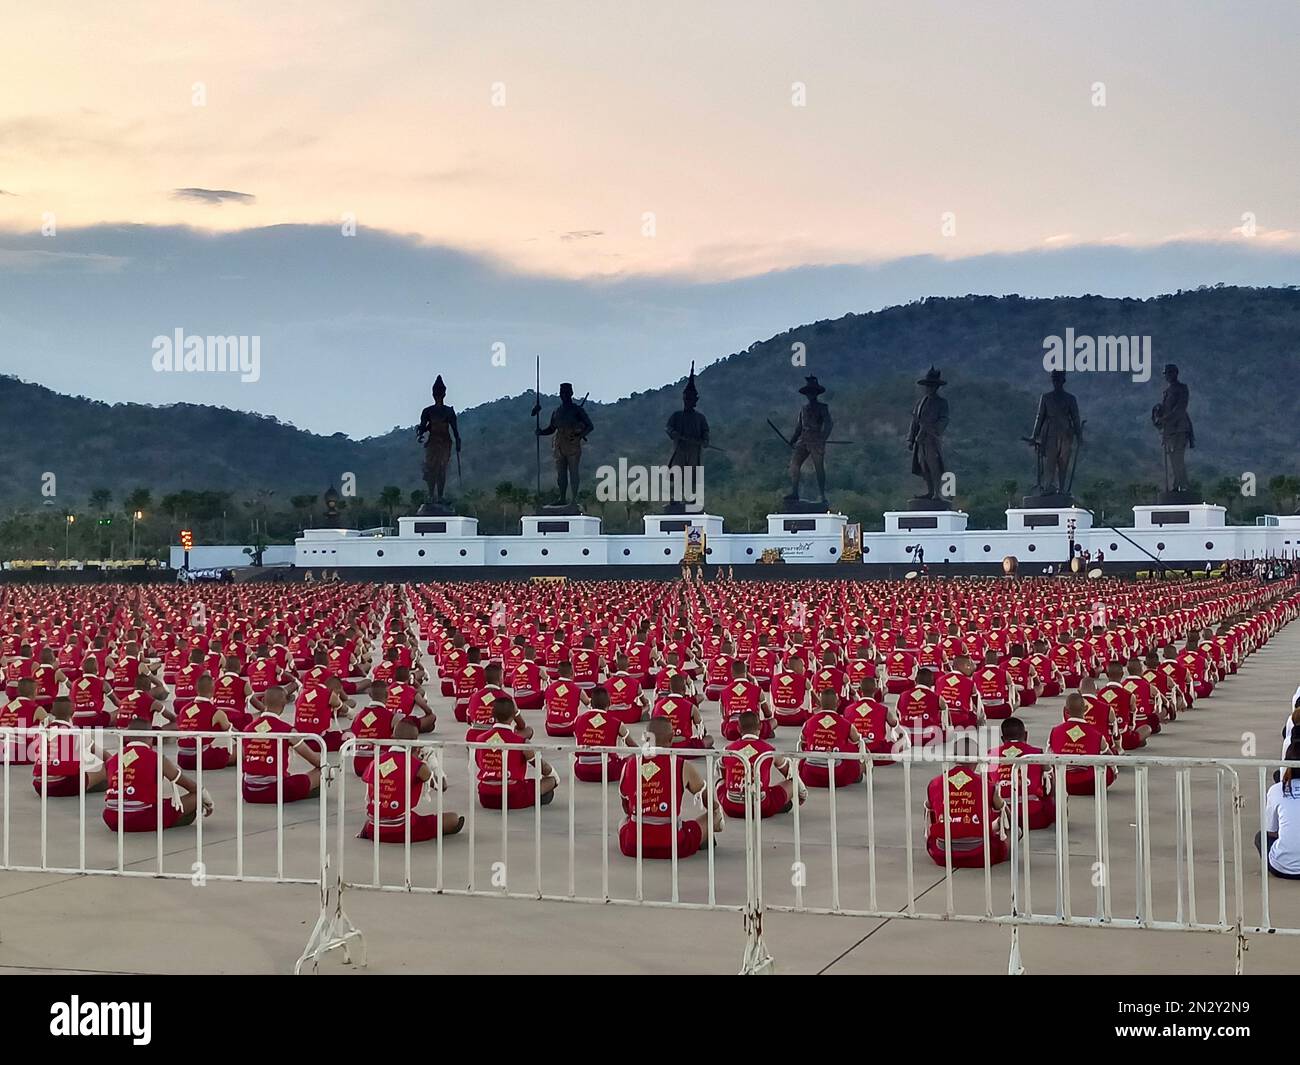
[(1238, 349)]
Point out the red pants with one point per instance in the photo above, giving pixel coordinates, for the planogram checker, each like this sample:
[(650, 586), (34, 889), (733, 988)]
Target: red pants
[(519, 795), (818, 776), (656, 840), (59, 787), (239, 719), (423, 827), (992, 711), (629, 715), (774, 802), (297, 786), (91, 719), (141, 820), (969, 858), (898, 685), (731, 729), (213, 758), (590, 772), (1082, 780), (797, 718), (1028, 697), (1042, 813), (560, 728), (529, 701), (1050, 690)]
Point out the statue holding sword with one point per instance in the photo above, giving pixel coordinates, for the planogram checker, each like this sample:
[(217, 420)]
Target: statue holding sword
[(812, 433), (1057, 436)]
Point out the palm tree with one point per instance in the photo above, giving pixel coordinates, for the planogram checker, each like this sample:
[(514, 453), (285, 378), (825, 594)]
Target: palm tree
[(302, 505), (418, 498), (505, 495), (1225, 490), (101, 497), (1009, 490), (1099, 495), (390, 498), (139, 499), (1284, 491)]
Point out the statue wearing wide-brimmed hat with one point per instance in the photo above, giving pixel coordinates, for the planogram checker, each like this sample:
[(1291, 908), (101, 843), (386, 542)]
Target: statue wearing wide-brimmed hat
[(811, 432), (437, 431), (925, 437)]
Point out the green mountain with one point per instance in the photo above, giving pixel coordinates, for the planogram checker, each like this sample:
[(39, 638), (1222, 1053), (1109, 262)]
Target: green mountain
[(1238, 349)]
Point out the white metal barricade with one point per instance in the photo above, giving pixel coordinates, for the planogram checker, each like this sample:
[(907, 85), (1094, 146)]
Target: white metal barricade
[(493, 838), (25, 782), (855, 860), (1036, 877), (1162, 850)]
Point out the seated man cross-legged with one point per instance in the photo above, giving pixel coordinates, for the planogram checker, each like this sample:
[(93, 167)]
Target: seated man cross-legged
[(753, 754), (505, 762), (400, 791), (147, 789), (266, 775), (653, 789)]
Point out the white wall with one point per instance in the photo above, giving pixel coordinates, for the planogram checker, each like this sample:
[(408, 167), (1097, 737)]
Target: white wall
[(331, 548)]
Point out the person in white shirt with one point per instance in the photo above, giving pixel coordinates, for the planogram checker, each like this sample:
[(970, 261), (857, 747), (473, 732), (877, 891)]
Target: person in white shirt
[(1281, 833), (1291, 722)]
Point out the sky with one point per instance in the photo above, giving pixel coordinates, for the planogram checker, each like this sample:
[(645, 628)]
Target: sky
[(383, 191)]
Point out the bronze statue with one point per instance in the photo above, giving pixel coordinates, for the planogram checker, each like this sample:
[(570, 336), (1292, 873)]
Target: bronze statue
[(1056, 437), (688, 429), (812, 432), (570, 426), (1176, 435), (436, 431), (925, 437)]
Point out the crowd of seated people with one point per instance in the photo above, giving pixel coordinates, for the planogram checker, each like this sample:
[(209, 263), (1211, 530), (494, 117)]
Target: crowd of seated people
[(813, 685)]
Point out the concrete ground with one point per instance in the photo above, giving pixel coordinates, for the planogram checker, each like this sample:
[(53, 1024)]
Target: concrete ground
[(83, 923)]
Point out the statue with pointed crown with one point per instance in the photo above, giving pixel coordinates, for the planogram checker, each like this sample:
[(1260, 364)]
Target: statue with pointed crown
[(688, 429)]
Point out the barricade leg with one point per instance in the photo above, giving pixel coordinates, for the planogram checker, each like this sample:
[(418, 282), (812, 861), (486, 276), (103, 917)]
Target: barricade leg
[(334, 929), (757, 960)]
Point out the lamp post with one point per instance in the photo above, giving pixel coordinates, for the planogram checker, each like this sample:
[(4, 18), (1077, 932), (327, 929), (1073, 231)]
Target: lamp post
[(68, 520), (135, 516)]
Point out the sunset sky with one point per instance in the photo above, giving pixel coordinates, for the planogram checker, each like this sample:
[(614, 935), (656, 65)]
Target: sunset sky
[(611, 185)]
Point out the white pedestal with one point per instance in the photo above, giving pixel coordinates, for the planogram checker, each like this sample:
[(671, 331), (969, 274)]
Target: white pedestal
[(925, 521), (327, 534), (560, 525), (1185, 516), (805, 524), (437, 526), (677, 524), (1047, 519)]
